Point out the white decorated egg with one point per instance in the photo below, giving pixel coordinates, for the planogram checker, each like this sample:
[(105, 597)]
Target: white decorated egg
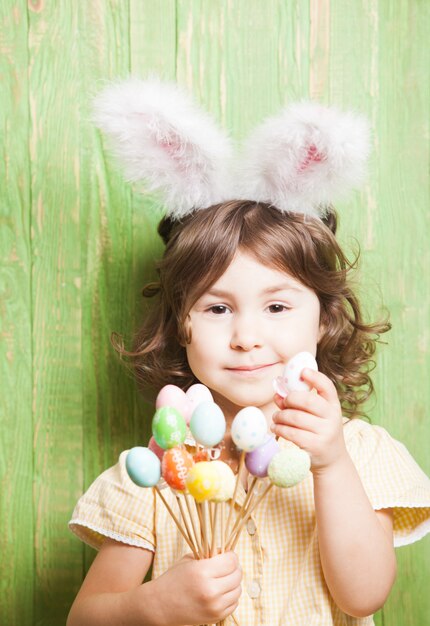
[(249, 428), (291, 381)]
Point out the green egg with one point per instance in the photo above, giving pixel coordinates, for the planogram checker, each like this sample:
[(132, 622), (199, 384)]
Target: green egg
[(168, 427), (289, 466)]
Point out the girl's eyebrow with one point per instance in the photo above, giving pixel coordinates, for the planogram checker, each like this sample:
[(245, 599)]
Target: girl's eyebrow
[(219, 293)]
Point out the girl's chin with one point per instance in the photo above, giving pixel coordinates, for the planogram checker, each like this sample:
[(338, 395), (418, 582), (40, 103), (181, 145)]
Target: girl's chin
[(233, 403)]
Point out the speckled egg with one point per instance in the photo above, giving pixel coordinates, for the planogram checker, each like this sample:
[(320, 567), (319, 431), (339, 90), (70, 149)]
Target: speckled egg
[(143, 467), (168, 427), (249, 428), (175, 466), (289, 466), (207, 424), (291, 381), (203, 481), (257, 461)]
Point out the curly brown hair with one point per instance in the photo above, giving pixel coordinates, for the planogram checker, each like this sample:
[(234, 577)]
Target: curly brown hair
[(200, 247)]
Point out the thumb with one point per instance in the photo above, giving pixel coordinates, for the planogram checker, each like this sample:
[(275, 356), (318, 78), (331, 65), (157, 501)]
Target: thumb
[(279, 401)]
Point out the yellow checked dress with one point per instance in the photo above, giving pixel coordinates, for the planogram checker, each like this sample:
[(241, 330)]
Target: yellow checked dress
[(283, 582)]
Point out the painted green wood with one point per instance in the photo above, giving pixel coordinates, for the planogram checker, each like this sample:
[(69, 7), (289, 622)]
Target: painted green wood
[(106, 217), (16, 431), (402, 257), (53, 143), (77, 243)]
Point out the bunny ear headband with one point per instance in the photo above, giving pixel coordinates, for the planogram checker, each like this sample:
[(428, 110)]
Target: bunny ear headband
[(300, 161)]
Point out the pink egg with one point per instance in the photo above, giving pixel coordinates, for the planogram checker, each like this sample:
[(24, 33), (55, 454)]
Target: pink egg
[(155, 448), (174, 396), (197, 394)]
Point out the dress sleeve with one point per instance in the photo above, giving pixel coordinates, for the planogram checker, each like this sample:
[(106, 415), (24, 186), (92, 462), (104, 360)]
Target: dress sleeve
[(115, 507), (391, 479)]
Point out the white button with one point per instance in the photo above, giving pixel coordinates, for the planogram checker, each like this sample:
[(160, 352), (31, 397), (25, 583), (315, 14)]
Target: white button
[(254, 589), (251, 527)]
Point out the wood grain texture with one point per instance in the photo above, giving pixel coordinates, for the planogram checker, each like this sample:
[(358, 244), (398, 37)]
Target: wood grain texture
[(16, 428), (54, 69), (77, 243)]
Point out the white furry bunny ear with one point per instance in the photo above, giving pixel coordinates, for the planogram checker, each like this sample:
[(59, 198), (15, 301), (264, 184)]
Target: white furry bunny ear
[(160, 136), (305, 158)]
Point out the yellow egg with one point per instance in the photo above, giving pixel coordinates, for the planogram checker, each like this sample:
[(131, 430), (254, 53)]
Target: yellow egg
[(203, 481), (227, 482)]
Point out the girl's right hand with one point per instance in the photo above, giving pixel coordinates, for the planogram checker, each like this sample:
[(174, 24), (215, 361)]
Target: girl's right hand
[(200, 592)]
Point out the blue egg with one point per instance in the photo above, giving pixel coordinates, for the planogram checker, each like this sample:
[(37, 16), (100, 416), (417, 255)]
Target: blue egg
[(143, 467), (207, 424)]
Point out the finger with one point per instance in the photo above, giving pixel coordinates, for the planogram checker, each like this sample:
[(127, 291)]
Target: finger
[(229, 610), (229, 583), (296, 419), (302, 438), (322, 384), (223, 564), (231, 597), (308, 402), (279, 401)]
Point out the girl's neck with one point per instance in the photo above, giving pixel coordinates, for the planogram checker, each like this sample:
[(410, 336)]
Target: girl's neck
[(230, 410)]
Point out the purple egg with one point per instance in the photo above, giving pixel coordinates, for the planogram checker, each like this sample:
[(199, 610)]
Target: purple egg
[(257, 462)]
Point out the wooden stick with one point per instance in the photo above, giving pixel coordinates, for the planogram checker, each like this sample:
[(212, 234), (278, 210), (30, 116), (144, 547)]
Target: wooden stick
[(233, 500), (223, 622), (185, 520), (177, 522), (211, 506), (198, 542), (243, 510), (222, 526), (205, 510), (199, 513), (215, 508), (231, 545)]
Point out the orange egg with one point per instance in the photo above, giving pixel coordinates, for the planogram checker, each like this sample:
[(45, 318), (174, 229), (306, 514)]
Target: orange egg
[(201, 455), (175, 466)]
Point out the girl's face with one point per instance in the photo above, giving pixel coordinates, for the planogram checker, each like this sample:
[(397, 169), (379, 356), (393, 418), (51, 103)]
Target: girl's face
[(244, 330)]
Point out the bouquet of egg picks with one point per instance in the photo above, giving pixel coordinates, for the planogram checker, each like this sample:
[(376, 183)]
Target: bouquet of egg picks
[(182, 454)]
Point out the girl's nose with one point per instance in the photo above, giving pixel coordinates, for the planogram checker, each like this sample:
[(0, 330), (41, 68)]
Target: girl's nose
[(246, 334)]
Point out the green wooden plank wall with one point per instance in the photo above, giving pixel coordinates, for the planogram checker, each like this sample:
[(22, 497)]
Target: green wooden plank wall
[(77, 243)]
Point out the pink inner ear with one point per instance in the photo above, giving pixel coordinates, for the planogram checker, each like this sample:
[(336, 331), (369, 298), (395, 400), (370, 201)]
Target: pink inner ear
[(312, 156), (180, 152), (171, 147)]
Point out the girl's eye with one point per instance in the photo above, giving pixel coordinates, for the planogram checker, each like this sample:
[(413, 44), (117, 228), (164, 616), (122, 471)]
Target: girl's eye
[(218, 309), (278, 308)]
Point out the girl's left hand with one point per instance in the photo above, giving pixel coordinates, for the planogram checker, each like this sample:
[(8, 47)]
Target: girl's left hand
[(313, 421)]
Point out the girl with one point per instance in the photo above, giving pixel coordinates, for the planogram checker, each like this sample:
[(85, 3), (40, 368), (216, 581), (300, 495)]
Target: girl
[(244, 286)]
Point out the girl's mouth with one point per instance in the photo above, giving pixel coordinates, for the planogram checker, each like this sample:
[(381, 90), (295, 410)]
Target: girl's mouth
[(250, 369)]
